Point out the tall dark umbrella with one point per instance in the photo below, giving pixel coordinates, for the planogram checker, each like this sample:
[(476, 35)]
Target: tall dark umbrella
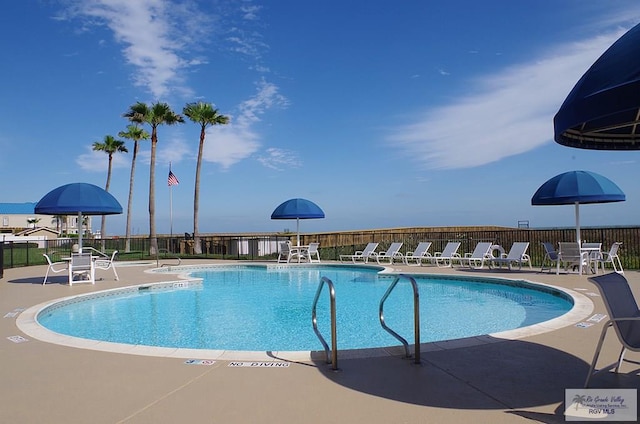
[(576, 187), (602, 112), (78, 198), (297, 209)]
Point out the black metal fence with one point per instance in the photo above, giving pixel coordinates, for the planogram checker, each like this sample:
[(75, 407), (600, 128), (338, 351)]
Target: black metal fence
[(332, 245)]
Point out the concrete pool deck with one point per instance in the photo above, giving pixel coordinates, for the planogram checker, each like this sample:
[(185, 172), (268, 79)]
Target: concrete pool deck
[(486, 379)]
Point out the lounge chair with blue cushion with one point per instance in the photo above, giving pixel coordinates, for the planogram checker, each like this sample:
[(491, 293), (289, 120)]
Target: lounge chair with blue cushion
[(448, 255), (624, 317), (421, 252), (362, 255), (393, 252), (480, 255)]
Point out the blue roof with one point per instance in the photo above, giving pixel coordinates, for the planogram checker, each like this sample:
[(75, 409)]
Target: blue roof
[(17, 208)]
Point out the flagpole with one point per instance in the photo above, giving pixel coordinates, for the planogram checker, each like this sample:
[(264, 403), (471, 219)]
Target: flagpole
[(170, 206)]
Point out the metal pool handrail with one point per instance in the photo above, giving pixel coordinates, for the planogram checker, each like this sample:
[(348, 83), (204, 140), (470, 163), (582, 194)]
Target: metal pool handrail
[(416, 317), (334, 341)]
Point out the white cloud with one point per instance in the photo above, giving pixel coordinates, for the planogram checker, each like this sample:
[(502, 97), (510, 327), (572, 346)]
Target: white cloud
[(279, 159), (504, 114), (231, 143), (155, 34), (96, 161)]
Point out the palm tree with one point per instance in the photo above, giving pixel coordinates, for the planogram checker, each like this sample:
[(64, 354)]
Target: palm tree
[(205, 115), (110, 146), (154, 115), (135, 133), (31, 222), (57, 220)]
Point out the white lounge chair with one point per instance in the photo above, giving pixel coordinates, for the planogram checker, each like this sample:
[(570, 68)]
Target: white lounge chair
[(107, 263), (611, 257), (82, 267), (54, 267), (550, 257), (393, 252), (448, 255), (624, 317), (421, 252), (362, 255), (480, 255), (570, 255), (517, 255), (313, 251)]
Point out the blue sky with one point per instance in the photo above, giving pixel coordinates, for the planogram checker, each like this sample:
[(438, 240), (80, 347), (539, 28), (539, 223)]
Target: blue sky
[(427, 113)]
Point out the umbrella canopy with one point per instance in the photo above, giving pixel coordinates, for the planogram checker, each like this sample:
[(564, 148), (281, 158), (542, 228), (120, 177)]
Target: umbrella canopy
[(602, 112), (576, 187), (78, 198), (297, 209)]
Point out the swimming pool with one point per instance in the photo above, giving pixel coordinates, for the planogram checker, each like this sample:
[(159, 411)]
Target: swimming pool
[(268, 308)]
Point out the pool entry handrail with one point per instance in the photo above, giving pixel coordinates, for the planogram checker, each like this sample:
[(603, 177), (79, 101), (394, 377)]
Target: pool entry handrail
[(334, 341), (416, 317)]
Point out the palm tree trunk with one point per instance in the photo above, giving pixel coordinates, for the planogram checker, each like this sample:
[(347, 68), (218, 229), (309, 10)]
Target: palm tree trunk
[(196, 196), (153, 237), (127, 246), (103, 226)]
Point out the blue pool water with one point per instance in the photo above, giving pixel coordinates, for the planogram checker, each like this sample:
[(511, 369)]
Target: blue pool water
[(263, 309)]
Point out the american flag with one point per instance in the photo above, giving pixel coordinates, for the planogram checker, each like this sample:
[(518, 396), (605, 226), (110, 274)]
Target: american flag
[(172, 179)]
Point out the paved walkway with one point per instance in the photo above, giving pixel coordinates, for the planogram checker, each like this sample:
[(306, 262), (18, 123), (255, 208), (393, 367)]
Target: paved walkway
[(481, 380)]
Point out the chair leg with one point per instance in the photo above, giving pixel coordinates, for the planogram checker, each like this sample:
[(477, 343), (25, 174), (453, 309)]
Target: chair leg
[(597, 353), (620, 359)]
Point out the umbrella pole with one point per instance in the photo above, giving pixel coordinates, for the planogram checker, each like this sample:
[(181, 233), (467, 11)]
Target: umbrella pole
[(298, 229), (578, 224), (80, 231)]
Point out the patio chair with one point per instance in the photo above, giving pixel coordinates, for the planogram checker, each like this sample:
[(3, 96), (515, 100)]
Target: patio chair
[(313, 251), (480, 255), (107, 263), (570, 255), (82, 267), (624, 317), (288, 252), (550, 256), (421, 252), (361, 255), (448, 255), (54, 267), (594, 253), (611, 257), (393, 252), (517, 255)]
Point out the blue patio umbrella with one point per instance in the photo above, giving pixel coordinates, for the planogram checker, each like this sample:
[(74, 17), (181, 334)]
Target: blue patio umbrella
[(297, 209), (576, 187), (78, 198), (602, 111)]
